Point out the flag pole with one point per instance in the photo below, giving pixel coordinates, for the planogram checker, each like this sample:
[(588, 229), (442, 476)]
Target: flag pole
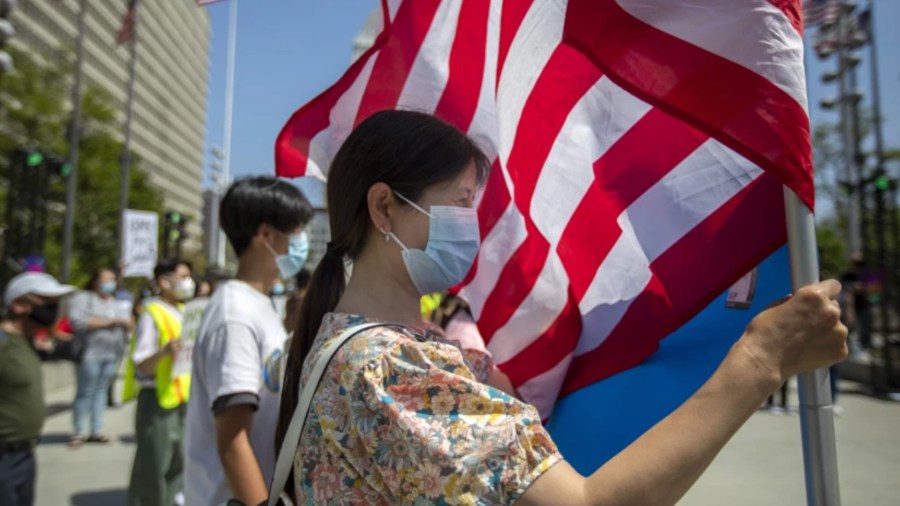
[(229, 112), (814, 388), (126, 150), (74, 140)]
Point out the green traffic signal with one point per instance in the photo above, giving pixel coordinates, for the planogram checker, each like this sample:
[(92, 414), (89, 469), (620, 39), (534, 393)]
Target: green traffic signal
[(175, 217), (882, 183), (65, 169), (34, 159)]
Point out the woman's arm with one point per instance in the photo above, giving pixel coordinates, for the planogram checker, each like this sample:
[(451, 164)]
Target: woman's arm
[(83, 321), (801, 335)]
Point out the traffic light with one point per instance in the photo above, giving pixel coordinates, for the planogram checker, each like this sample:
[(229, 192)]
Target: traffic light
[(58, 167), (174, 226), (34, 158), (882, 182), (173, 222), (7, 32)]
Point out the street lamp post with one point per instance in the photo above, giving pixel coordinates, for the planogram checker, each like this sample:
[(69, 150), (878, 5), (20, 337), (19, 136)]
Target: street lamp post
[(74, 140), (213, 234)]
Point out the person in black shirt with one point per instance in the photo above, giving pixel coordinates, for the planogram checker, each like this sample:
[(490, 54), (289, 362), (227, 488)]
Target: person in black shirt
[(859, 308)]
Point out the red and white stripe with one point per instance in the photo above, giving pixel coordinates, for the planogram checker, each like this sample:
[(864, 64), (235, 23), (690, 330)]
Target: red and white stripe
[(639, 160)]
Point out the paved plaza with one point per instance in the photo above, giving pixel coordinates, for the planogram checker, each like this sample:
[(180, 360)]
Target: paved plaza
[(761, 466)]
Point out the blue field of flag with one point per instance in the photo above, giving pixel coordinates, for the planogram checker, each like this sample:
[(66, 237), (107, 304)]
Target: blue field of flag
[(593, 424)]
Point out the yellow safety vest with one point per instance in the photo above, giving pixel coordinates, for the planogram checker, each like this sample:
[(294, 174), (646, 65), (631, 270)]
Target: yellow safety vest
[(429, 303), (170, 392)]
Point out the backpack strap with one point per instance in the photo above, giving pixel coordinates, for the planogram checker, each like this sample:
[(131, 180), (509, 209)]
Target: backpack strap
[(292, 437)]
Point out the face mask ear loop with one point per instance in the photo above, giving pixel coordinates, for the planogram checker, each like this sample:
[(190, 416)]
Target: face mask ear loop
[(390, 235), (270, 248), (416, 206)]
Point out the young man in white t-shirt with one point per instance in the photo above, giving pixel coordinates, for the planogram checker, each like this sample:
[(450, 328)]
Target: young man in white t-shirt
[(236, 376)]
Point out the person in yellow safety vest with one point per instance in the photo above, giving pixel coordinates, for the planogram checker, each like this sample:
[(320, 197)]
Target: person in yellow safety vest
[(429, 304), (156, 477)]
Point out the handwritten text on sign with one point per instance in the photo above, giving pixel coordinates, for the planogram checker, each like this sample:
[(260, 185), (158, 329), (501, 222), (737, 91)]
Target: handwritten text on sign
[(139, 246)]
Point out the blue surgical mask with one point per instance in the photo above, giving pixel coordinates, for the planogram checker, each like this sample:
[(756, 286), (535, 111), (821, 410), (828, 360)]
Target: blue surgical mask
[(108, 287), (278, 288), (453, 240), (298, 250)]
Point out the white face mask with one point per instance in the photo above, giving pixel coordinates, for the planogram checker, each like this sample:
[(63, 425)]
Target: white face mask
[(453, 240), (184, 289)]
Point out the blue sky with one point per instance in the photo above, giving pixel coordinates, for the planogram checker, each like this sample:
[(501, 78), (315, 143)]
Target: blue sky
[(288, 51)]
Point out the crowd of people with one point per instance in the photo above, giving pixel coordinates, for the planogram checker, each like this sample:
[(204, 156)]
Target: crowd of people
[(412, 409)]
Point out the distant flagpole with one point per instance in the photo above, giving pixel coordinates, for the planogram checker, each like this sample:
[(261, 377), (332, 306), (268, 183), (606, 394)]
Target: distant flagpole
[(125, 159), (229, 109)]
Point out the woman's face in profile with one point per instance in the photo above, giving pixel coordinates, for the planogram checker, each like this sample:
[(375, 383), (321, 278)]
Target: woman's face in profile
[(412, 227)]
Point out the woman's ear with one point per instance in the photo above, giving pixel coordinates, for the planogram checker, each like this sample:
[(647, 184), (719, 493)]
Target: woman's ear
[(380, 201)]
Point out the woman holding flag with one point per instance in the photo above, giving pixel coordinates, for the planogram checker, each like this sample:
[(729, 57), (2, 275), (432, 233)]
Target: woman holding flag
[(401, 417)]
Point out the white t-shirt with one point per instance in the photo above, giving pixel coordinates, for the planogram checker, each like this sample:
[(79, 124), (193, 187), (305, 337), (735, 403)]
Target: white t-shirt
[(238, 351)]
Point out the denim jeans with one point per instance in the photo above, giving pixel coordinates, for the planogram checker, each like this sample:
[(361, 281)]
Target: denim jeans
[(17, 477), (94, 378)]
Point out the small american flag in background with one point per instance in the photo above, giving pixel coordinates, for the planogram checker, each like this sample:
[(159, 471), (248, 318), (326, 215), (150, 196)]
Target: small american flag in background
[(820, 12), (126, 31), (639, 147)]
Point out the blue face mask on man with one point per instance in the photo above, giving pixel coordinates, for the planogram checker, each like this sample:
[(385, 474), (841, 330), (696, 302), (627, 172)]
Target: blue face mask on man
[(453, 241), (290, 263)]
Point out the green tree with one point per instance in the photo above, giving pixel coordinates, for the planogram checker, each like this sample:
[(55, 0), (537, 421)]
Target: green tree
[(830, 239), (33, 112), (830, 170)]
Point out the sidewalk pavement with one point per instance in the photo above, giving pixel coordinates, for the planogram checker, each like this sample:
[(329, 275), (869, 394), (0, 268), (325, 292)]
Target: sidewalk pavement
[(94, 475), (762, 465)]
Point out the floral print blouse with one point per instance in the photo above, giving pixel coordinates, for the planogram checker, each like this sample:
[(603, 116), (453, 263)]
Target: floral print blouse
[(403, 419)]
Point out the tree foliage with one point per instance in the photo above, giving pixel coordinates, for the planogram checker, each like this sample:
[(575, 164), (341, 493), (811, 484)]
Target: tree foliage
[(830, 173), (34, 112)]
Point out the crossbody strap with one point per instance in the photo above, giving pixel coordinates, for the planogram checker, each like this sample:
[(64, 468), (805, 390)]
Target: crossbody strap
[(292, 437)]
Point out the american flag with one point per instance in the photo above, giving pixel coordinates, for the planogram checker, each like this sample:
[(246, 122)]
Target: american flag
[(820, 12), (202, 3), (126, 31), (638, 161)]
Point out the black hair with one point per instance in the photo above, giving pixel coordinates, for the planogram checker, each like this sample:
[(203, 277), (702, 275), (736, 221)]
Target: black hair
[(408, 151), (168, 266), (252, 201), (301, 280)]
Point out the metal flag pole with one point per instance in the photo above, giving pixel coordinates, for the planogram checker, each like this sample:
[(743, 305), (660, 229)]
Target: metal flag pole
[(126, 150), (74, 140), (229, 109), (814, 388)]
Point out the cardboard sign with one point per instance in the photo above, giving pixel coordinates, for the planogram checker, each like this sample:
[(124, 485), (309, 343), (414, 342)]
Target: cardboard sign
[(139, 246), (190, 329)]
